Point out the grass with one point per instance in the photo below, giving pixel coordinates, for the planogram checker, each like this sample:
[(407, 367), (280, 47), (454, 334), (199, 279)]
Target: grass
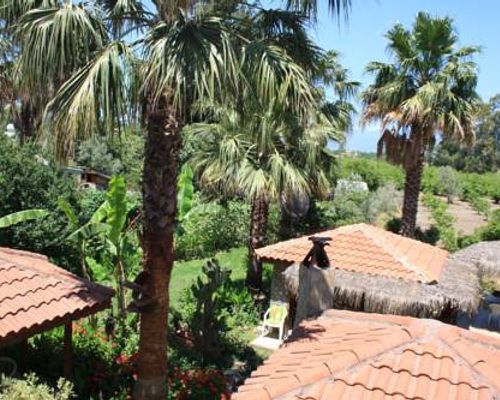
[(186, 272)]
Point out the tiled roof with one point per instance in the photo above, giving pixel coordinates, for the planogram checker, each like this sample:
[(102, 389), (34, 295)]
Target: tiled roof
[(367, 249), (35, 295), (347, 355)]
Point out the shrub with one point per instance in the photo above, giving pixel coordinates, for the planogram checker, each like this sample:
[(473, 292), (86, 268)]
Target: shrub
[(28, 181), (98, 371), (479, 204), (492, 230), (430, 235), (386, 200), (30, 388), (197, 384), (374, 172), (444, 221), (212, 227), (94, 153), (449, 184)]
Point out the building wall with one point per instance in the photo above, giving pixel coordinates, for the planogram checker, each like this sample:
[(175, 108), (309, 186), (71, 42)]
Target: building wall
[(278, 289)]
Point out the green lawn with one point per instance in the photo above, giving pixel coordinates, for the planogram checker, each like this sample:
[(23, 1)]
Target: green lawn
[(185, 272)]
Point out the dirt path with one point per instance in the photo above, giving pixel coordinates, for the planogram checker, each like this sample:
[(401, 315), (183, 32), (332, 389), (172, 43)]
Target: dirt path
[(467, 220)]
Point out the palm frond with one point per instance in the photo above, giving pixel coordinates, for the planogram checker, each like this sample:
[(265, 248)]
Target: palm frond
[(310, 7), (56, 42), (96, 97), (189, 58)]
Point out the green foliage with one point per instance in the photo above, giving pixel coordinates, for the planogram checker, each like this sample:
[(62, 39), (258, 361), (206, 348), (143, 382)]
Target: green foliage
[(374, 172), (94, 153), (449, 183), (27, 181), (30, 388), (97, 371), (430, 235), (484, 155), (208, 324), (212, 227), (478, 203), (21, 216), (444, 221), (212, 312), (471, 184), (492, 230), (185, 192)]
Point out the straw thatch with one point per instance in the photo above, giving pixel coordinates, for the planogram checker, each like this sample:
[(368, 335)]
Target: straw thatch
[(485, 256), (458, 290)]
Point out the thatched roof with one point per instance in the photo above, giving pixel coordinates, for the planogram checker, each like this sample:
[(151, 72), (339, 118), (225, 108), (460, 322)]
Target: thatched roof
[(457, 290), (485, 256)]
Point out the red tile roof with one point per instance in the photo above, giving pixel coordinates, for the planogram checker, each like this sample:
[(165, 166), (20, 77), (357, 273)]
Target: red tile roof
[(35, 295), (367, 249), (346, 355)]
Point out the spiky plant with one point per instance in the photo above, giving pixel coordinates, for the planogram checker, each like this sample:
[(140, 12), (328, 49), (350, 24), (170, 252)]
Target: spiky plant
[(429, 89)]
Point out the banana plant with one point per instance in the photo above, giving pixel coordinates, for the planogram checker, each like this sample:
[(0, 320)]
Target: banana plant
[(110, 224), (22, 216)]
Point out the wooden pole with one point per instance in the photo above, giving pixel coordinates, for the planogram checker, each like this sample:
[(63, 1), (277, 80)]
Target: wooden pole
[(68, 351)]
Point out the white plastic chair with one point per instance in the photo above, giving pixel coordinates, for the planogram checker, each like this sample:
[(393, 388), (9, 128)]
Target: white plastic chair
[(275, 317)]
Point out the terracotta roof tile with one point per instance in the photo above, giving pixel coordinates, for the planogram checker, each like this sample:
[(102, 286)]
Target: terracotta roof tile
[(349, 355), (35, 294), (367, 249)]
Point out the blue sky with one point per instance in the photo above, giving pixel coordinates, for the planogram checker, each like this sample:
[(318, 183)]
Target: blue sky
[(361, 40)]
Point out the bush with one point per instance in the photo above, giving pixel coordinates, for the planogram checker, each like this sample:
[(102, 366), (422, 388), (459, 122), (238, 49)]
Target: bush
[(444, 221), (98, 368), (386, 201), (492, 230), (30, 388), (212, 227), (430, 235), (449, 184), (197, 384), (374, 172), (28, 181), (479, 204), (94, 153)]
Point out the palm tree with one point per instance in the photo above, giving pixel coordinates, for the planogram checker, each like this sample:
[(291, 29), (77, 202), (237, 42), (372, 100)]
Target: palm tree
[(428, 90), (184, 54), (261, 155), (272, 148)]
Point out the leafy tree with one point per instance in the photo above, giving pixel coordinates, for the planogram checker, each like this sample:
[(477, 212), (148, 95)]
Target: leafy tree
[(28, 181), (449, 183), (428, 89), (484, 155), (94, 153)]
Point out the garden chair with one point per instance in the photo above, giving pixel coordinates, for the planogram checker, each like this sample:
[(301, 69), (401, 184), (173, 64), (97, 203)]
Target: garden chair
[(275, 317)]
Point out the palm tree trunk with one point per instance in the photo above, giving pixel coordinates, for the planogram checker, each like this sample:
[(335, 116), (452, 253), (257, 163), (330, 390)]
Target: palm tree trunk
[(285, 229), (159, 189), (411, 194), (25, 120), (258, 224)]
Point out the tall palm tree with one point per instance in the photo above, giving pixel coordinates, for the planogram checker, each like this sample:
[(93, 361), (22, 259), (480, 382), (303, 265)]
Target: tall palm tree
[(184, 54), (258, 153), (428, 90), (269, 148)]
